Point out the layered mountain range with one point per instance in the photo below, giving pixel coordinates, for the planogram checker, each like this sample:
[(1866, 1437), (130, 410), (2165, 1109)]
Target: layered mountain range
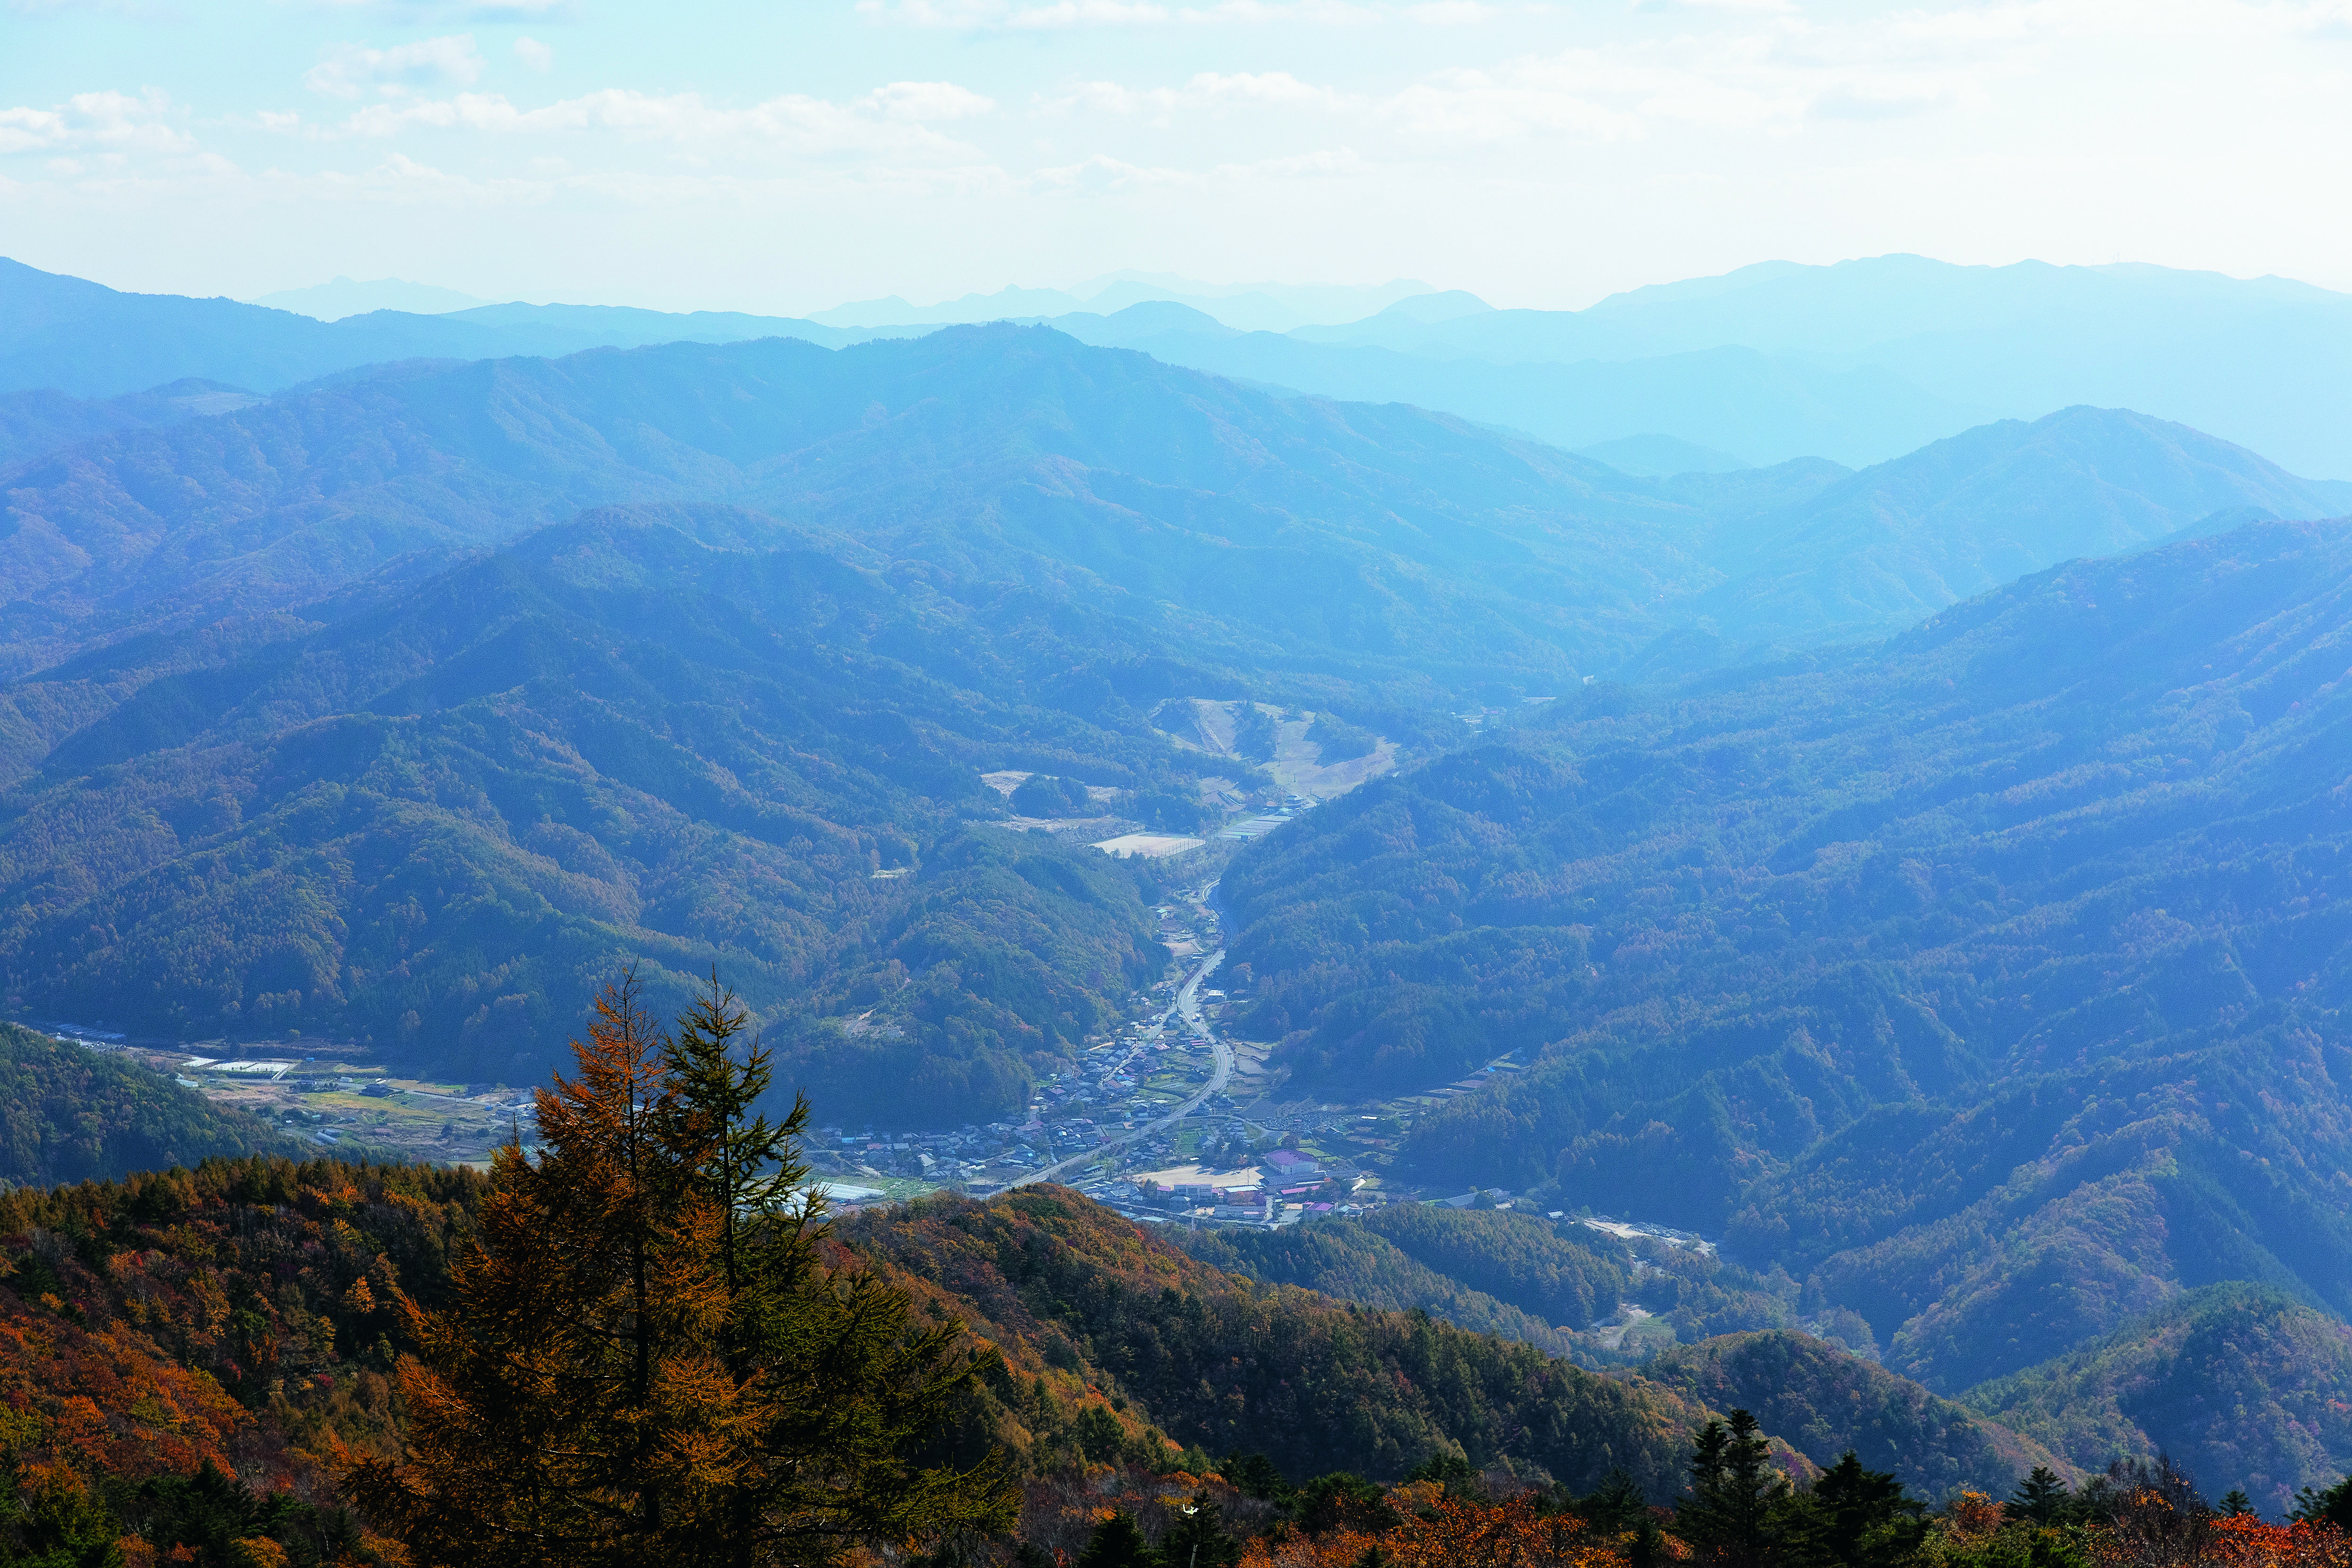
[(1859, 362), (1927, 878)]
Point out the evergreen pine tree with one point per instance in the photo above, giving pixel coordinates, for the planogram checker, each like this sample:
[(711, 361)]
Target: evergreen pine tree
[(643, 1358), (1850, 1518), (1199, 1539), (52, 1519), (2332, 1506), (1615, 1507), (1733, 1487), (2041, 1497), (1116, 1542)]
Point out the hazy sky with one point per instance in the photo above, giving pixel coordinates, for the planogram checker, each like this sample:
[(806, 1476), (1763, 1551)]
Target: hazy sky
[(788, 154)]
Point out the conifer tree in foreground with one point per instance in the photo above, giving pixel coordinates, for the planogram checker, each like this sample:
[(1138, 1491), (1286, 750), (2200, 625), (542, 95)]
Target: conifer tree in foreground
[(644, 1358), (1733, 1487)]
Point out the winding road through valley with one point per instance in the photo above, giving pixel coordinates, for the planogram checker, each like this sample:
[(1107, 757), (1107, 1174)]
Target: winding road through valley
[(1188, 1008)]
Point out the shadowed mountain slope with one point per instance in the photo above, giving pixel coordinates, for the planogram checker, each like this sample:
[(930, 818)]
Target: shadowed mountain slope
[(685, 736), (2241, 1385), (71, 1114), (1992, 981), (1822, 1401)]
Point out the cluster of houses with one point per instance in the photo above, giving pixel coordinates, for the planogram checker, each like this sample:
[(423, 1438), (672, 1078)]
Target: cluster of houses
[(1287, 1176)]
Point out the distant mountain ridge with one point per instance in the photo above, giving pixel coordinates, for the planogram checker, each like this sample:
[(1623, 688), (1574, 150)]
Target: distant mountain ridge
[(88, 340), (33, 424), (1762, 408), (2248, 360), (1426, 536), (1857, 362), (1893, 544), (333, 300), (1017, 453)]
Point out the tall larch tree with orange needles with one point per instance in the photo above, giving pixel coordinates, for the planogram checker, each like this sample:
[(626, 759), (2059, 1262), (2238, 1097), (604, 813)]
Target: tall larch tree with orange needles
[(643, 1358)]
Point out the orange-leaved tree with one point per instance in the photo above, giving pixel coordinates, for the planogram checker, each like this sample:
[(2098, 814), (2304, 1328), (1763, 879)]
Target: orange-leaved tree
[(643, 1358), (1449, 1532)]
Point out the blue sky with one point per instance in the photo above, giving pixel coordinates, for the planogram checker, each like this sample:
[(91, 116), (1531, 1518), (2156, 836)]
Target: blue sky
[(788, 156)]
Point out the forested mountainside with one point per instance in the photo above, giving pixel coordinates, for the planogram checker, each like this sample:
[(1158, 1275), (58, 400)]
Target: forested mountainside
[(1350, 1263), (1512, 1274), (1512, 1268), (1364, 547), (1356, 542), (1990, 982), (1823, 1401), (680, 736), (37, 422), (2230, 1380), (1219, 1364), (326, 765), (244, 1314), (71, 1114)]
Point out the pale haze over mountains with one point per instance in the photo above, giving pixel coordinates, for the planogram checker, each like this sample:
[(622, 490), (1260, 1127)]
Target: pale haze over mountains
[(1856, 362), (1576, 777)]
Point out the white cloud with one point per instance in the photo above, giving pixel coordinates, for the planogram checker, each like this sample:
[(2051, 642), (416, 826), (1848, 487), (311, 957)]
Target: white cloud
[(1038, 16), (1101, 175), (920, 102), (1752, 73), (887, 123), (352, 70), (420, 11), (1774, 7), (1545, 150), (115, 122), (1209, 90), (534, 55)]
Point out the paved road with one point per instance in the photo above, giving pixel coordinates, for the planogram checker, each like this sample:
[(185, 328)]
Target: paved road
[(1187, 1008)]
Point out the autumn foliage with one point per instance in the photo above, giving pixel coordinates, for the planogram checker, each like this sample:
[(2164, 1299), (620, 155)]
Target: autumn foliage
[(643, 1358), (1436, 1532)]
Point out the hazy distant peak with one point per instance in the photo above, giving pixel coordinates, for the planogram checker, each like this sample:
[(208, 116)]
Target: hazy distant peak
[(1012, 302), (1722, 283), (343, 296), (1168, 315), (1327, 302), (1244, 307), (1449, 305), (1656, 456), (2287, 291)]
